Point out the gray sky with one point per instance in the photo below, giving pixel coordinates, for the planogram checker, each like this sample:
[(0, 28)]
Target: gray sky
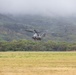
[(46, 7)]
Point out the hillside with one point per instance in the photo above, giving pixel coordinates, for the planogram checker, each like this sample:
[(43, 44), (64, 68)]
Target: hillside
[(56, 28)]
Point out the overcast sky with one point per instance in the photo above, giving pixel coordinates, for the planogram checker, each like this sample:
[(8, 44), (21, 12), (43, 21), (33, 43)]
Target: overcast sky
[(47, 7)]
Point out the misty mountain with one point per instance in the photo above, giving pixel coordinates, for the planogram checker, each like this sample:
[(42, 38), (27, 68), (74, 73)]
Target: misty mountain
[(56, 28)]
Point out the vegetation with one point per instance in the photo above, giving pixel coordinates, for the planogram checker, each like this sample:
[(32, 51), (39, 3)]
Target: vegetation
[(59, 29), (37, 63), (28, 45)]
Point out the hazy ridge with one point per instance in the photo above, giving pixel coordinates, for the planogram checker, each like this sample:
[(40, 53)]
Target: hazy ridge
[(56, 28)]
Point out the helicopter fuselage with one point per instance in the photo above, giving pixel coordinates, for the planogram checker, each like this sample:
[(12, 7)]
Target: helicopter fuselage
[(36, 38)]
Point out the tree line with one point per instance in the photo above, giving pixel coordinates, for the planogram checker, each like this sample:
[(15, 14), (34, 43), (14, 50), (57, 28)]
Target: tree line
[(27, 45)]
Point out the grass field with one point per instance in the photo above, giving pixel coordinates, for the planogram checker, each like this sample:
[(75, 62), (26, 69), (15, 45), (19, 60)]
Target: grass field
[(37, 63)]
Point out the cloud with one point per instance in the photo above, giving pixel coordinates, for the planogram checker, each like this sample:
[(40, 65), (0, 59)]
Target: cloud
[(47, 7)]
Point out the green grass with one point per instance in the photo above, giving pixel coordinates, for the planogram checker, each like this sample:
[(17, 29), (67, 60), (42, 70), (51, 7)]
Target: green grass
[(37, 63)]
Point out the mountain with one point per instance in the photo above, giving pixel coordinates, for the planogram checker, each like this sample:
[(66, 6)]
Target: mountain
[(12, 27)]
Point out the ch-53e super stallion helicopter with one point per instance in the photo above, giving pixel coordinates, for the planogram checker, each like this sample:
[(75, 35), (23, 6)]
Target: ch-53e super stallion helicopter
[(37, 35)]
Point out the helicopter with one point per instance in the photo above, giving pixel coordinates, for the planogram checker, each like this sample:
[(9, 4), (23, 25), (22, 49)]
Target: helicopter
[(36, 35)]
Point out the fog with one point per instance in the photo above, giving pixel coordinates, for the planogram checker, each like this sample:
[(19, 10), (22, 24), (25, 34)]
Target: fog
[(43, 7)]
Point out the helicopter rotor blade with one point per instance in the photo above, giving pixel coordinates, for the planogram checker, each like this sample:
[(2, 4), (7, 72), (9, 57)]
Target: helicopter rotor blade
[(35, 31), (30, 31)]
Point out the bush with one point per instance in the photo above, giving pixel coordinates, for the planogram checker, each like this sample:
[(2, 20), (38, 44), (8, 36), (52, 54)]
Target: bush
[(27, 45)]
